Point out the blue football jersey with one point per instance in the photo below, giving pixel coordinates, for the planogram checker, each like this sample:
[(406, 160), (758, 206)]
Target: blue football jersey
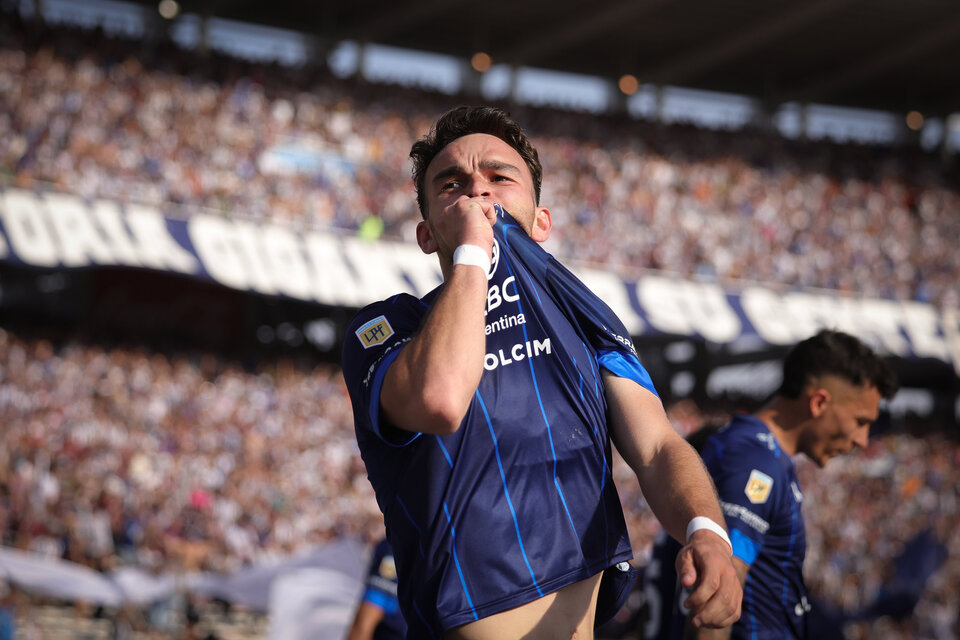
[(381, 591), (761, 501), (520, 501)]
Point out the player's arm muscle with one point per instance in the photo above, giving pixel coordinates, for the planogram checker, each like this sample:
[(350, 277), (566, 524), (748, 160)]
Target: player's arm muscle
[(678, 488), (429, 386), (671, 475)]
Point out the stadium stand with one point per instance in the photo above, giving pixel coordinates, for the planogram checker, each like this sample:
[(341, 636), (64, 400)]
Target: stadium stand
[(173, 459), (145, 122)]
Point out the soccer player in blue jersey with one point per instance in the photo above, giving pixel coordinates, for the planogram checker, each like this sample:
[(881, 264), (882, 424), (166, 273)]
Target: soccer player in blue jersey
[(485, 412), (830, 395), (378, 615)]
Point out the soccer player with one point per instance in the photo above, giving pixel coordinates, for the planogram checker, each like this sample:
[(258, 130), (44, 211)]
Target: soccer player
[(484, 413), (378, 615), (830, 395)]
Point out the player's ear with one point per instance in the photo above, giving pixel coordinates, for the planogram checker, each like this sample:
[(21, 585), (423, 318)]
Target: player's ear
[(425, 238), (542, 224), (819, 398)]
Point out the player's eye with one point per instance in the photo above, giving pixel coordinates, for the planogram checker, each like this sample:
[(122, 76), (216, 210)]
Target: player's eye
[(450, 184)]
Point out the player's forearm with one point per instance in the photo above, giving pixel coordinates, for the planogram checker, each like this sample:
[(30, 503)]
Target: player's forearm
[(428, 388), (681, 488), (365, 621), (691, 632), (671, 475)]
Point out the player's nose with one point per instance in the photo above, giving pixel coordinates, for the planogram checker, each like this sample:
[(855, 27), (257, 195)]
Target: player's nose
[(477, 187), (861, 438)]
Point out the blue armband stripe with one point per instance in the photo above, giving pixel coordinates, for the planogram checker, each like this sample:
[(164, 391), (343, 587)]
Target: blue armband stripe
[(626, 365), (743, 547), (385, 601)]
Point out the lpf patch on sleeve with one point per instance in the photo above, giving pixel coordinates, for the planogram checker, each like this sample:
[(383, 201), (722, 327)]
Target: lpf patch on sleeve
[(758, 487), (388, 568), (374, 332)]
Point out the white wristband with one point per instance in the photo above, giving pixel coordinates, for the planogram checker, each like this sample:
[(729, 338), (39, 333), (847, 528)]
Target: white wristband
[(473, 255), (703, 522)]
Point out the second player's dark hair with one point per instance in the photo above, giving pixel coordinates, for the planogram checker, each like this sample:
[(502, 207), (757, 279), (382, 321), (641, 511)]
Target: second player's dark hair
[(839, 354), (462, 121)]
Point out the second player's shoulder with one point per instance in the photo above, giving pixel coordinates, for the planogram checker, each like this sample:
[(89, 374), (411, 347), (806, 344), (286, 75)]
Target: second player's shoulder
[(746, 436), (744, 456)]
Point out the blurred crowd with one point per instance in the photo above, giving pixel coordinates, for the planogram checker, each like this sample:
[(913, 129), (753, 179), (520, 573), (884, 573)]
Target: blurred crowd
[(122, 456), (143, 121), (177, 462), (898, 498)]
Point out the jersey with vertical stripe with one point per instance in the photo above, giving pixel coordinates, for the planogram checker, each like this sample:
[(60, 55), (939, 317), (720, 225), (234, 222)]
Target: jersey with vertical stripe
[(761, 501), (519, 502)]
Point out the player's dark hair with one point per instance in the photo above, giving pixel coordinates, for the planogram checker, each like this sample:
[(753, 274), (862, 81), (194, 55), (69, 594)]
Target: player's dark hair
[(839, 354), (462, 121)]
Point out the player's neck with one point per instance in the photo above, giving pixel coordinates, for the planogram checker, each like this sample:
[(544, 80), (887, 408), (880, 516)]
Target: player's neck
[(777, 415)]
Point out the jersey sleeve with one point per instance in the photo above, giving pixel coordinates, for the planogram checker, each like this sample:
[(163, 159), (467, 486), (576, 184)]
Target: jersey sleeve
[(599, 325), (749, 488), (381, 587), (373, 340)]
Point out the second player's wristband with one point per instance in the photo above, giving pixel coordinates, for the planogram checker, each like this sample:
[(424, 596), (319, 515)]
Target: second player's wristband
[(473, 255), (703, 522)]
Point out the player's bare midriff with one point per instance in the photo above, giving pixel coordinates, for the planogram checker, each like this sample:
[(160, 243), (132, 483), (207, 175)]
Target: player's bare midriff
[(567, 613)]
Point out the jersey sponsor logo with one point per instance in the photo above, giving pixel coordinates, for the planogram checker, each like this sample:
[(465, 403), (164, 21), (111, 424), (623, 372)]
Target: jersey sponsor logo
[(797, 494), (516, 353), (622, 340), (373, 367), (383, 584), (769, 440), (494, 259), (505, 322), (374, 332), (803, 607), (758, 487), (743, 514), (498, 294)]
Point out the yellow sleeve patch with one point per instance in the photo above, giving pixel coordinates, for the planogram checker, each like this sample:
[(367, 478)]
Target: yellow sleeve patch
[(374, 332), (388, 568), (758, 487)]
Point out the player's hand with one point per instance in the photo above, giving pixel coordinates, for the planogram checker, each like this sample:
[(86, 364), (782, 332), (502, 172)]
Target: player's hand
[(465, 221), (705, 567)]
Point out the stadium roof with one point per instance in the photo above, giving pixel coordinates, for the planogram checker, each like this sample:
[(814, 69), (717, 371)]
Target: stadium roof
[(881, 54)]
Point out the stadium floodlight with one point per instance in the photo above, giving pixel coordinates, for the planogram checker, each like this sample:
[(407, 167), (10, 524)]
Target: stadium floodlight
[(914, 120), (628, 84), (481, 61), (169, 9)]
